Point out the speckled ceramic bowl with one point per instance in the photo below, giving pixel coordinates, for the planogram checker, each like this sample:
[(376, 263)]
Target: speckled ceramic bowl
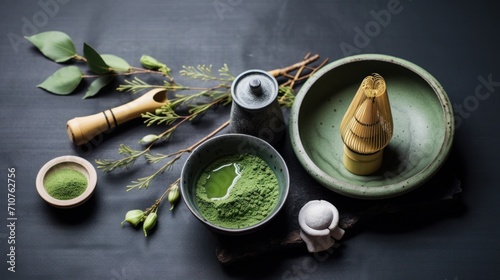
[(225, 145), (423, 126)]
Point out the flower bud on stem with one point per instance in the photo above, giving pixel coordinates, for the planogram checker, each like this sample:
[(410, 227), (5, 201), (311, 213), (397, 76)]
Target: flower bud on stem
[(173, 195), (149, 216), (152, 63), (150, 222), (148, 139), (134, 217)]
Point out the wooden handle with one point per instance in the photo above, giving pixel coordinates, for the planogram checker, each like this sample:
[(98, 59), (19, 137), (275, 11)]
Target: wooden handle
[(83, 129)]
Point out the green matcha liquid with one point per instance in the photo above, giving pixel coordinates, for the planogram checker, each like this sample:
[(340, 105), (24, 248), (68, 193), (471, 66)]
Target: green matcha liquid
[(221, 180)]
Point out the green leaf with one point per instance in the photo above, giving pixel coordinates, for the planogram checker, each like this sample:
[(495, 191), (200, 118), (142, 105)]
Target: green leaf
[(63, 81), (97, 85), (118, 64), (95, 61), (55, 45)]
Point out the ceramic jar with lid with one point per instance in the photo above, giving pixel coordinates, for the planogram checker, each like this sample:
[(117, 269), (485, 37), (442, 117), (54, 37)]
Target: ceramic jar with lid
[(255, 110)]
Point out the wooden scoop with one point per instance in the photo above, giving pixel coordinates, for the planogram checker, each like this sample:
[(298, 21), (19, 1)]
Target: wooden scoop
[(83, 129)]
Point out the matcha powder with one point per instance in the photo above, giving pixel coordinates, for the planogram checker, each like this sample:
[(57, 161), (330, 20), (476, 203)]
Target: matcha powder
[(65, 183), (253, 194)]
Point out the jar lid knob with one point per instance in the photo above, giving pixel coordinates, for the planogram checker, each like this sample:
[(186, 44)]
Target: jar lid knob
[(256, 86)]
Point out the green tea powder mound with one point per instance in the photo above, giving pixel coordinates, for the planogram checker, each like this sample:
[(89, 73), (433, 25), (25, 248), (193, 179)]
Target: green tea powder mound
[(65, 183), (252, 198)]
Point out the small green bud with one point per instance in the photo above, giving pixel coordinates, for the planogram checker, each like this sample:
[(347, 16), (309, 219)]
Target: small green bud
[(134, 217), (173, 195), (148, 139), (149, 223), (151, 63)]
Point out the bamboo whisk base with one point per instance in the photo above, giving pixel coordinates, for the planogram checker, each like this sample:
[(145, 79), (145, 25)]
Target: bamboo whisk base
[(362, 164)]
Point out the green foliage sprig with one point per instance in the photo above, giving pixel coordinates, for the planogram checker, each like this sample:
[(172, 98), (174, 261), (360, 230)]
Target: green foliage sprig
[(59, 47)]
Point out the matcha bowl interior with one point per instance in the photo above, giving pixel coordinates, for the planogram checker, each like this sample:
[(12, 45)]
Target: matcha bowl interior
[(423, 126), (230, 145), (72, 163)]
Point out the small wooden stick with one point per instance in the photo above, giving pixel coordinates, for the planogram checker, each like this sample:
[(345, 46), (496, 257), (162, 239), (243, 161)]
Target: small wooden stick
[(284, 71), (299, 72), (292, 80)]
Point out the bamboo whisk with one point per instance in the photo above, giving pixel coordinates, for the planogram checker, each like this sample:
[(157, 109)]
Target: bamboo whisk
[(367, 126)]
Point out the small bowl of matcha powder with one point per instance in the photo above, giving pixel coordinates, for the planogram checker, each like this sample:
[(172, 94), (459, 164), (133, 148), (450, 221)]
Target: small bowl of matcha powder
[(66, 181), (235, 183)]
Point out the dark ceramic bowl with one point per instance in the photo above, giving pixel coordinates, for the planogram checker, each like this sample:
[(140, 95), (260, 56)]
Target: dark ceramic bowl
[(225, 145), (423, 126)]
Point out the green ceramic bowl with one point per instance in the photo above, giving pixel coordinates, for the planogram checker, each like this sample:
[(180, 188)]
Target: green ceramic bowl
[(423, 126)]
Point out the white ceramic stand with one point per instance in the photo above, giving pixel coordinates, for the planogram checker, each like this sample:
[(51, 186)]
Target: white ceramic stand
[(318, 220)]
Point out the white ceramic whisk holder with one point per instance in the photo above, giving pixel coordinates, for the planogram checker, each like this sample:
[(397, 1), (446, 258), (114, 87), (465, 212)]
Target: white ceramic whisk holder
[(318, 220)]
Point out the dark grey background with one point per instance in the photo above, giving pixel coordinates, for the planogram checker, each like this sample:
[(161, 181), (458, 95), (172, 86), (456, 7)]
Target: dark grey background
[(456, 41)]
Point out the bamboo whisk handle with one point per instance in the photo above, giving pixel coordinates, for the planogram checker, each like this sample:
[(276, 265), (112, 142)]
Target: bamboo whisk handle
[(83, 129)]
